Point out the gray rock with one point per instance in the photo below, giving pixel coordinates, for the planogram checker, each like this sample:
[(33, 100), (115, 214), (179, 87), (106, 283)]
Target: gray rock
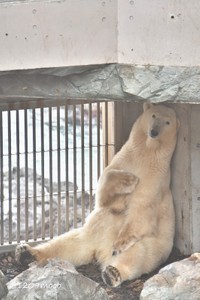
[(3, 286), (161, 83), (57, 280), (110, 81), (177, 281), (23, 203), (77, 82)]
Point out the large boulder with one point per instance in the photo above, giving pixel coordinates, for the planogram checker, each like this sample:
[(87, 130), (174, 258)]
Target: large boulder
[(179, 280), (3, 286), (30, 203), (56, 280)]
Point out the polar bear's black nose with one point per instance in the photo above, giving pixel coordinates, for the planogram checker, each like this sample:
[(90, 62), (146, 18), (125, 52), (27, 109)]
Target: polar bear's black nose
[(154, 133)]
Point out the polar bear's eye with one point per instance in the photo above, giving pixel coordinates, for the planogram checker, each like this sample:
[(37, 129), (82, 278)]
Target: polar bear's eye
[(154, 116), (167, 122)]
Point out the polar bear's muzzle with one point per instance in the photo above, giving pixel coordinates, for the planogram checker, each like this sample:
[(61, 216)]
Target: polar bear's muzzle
[(155, 128), (154, 132)]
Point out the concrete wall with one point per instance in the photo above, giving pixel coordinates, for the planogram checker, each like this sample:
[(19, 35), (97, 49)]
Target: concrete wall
[(54, 33), (41, 34), (157, 32)]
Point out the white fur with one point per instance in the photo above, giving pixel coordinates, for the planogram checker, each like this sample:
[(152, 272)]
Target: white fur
[(134, 213)]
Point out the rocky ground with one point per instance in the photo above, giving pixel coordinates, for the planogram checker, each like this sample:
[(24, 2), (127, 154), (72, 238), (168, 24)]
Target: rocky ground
[(129, 290)]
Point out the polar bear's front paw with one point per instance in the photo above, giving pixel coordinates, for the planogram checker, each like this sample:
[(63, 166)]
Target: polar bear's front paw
[(127, 183), (121, 182), (23, 254), (111, 276)]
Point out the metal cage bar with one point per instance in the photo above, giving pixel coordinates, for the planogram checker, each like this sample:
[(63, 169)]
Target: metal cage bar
[(10, 177), (82, 164), (58, 170), (98, 140), (66, 169), (42, 172), (75, 166), (106, 133), (26, 175), (18, 175), (50, 176), (34, 178), (90, 159)]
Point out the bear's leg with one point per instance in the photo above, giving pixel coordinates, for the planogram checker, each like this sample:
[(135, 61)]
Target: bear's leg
[(125, 266), (74, 246), (132, 232), (113, 183)]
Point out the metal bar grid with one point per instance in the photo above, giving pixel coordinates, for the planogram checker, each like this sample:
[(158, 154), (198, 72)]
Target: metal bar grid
[(50, 159)]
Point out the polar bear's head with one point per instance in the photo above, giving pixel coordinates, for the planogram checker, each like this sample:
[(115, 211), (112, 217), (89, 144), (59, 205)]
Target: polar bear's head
[(160, 123)]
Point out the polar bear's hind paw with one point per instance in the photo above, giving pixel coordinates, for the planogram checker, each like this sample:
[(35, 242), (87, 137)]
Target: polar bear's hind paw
[(111, 276), (23, 255)]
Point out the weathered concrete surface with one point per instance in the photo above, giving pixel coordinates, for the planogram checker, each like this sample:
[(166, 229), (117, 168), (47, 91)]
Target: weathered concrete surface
[(177, 281), (57, 280), (112, 81)]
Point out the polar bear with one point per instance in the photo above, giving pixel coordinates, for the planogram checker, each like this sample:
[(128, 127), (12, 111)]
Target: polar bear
[(131, 229)]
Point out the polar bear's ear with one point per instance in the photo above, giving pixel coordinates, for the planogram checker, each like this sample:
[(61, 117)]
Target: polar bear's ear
[(147, 105)]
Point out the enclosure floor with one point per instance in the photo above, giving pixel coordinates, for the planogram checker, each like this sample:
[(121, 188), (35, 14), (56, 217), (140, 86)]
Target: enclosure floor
[(129, 290)]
